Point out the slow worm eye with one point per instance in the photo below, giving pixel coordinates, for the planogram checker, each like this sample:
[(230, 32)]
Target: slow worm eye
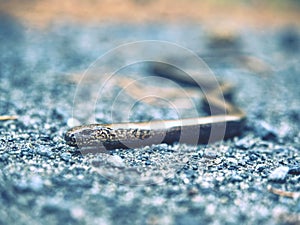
[(70, 138), (104, 135), (73, 139)]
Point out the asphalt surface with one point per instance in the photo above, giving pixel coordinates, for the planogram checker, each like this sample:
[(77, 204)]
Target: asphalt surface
[(45, 181)]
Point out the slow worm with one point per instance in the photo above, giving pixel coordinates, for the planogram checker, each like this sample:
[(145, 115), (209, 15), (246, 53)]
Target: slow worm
[(226, 121)]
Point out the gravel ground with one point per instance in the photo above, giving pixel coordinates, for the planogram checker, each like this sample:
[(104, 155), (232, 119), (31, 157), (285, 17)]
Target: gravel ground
[(43, 180)]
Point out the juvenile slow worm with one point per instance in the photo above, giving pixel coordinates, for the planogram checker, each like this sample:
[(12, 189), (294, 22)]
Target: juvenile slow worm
[(201, 130)]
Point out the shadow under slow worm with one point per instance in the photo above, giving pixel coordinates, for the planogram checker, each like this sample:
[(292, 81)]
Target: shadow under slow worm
[(226, 121)]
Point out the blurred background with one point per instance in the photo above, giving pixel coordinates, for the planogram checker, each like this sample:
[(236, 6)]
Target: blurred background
[(235, 12), (45, 47), (77, 32)]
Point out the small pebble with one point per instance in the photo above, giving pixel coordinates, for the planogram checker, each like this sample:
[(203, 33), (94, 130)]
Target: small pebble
[(43, 151), (77, 213), (218, 161), (210, 154), (66, 156), (36, 183), (245, 143), (72, 122), (242, 162), (279, 174), (194, 167), (116, 161), (253, 157), (236, 178), (232, 161), (2, 144), (260, 167)]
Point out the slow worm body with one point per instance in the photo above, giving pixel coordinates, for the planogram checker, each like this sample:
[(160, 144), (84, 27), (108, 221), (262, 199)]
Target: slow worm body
[(226, 121)]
